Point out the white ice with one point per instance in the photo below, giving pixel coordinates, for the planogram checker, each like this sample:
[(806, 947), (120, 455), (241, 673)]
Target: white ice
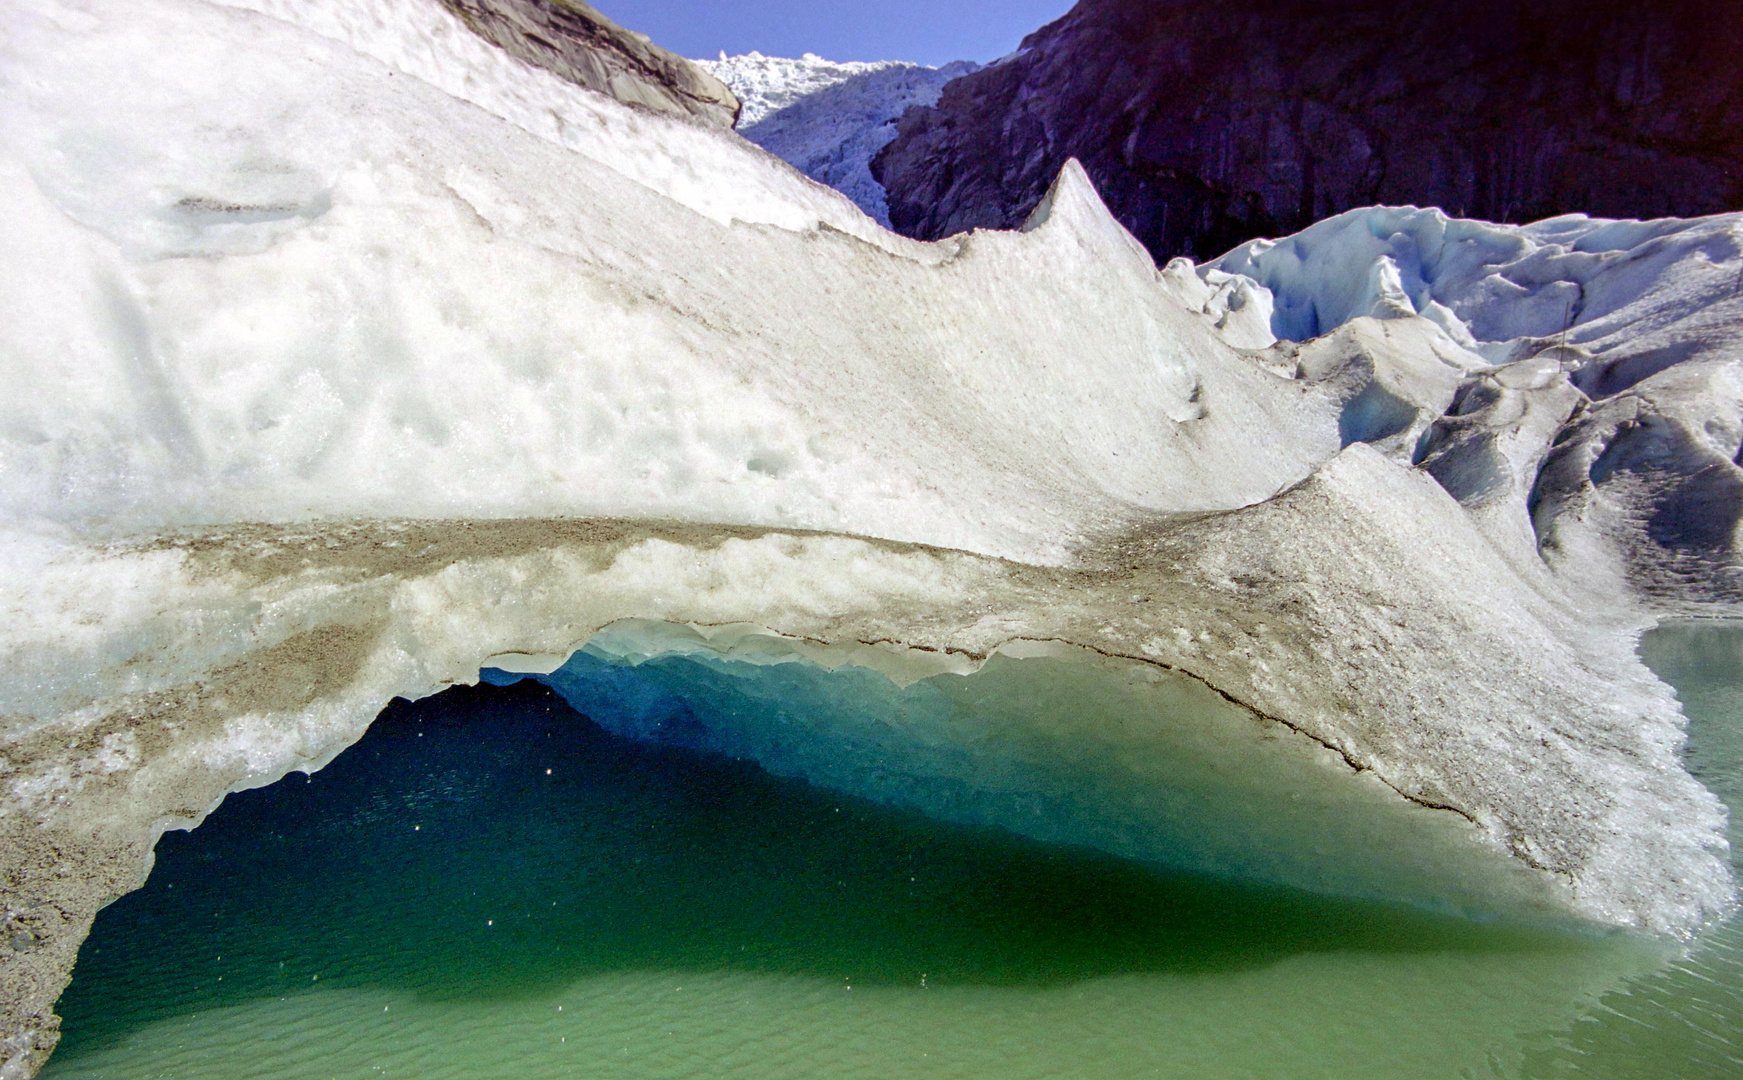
[(767, 84), (435, 282), (1633, 297)]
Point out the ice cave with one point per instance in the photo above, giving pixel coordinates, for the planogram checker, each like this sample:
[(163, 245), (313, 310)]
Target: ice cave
[(505, 577)]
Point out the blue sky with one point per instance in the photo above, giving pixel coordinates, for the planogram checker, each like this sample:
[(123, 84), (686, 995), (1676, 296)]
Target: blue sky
[(926, 31)]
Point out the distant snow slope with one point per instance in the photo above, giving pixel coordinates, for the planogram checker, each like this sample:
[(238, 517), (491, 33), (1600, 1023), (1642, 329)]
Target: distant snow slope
[(768, 84), (826, 119)]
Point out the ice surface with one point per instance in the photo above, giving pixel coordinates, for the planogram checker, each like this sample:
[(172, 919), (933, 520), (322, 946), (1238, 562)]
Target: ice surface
[(1605, 439), (425, 320), (1630, 297)]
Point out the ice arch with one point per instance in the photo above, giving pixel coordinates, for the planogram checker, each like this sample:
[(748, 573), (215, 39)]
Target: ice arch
[(235, 655)]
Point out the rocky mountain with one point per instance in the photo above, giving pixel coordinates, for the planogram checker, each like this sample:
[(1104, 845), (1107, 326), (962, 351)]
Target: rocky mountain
[(827, 119), (575, 42), (1206, 124)]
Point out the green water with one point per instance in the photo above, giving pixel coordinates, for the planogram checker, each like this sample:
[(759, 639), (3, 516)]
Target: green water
[(436, 904)]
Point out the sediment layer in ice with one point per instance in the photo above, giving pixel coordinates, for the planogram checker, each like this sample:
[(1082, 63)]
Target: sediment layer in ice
[(1249, 693)]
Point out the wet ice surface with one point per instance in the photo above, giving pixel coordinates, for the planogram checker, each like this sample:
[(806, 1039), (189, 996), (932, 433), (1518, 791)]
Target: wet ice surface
[(436, 904), (1686, 1020)]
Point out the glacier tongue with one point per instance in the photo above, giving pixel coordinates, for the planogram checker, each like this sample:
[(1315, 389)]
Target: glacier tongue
[(770, 84), (829, 120), (347, 353)]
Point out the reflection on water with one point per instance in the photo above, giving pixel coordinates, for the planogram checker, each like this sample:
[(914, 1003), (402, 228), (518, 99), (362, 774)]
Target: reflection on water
[(490, 886)]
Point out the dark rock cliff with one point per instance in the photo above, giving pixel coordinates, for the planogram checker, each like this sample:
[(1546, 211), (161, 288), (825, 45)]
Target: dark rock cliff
[(1205, 123), (577, 43)]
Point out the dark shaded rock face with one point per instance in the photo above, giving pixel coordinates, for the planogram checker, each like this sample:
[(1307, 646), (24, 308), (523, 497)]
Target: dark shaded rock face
[(1205, 123), (577, 43)]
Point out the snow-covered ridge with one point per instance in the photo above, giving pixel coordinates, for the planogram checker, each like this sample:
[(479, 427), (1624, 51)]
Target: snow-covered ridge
[(829, 120), (282, 393), (429, 43)]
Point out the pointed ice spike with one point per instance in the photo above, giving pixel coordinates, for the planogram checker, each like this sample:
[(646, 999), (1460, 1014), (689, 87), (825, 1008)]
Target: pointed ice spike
[(1072, 182), (1072, 205)]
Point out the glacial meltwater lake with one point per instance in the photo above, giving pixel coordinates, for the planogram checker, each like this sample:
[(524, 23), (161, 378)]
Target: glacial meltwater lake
[(489, 886)]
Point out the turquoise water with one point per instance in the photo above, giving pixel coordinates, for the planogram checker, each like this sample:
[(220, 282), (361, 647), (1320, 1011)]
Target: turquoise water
[(490, 886)]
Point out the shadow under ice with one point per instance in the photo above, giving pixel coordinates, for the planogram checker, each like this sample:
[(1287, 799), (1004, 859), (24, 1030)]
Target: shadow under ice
[(491, 842)]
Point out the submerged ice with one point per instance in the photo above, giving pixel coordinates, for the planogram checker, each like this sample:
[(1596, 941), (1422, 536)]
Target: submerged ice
[(1052, 742), (354, 355)]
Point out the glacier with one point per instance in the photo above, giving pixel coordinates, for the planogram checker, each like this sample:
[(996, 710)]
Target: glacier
[(827, 119), (351, 357), (770, 84), (1608, 431)]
